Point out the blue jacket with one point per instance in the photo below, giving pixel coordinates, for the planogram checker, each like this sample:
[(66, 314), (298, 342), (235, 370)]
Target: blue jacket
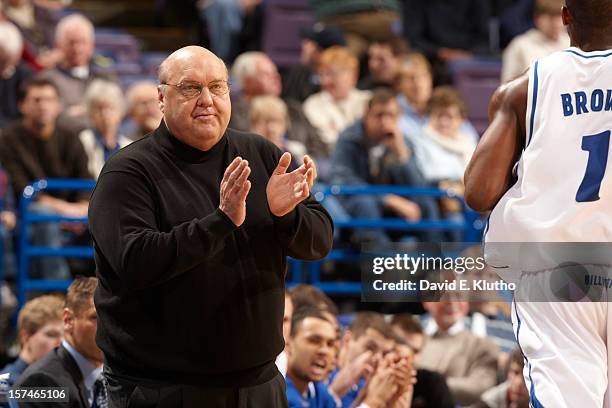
[(317, 396)]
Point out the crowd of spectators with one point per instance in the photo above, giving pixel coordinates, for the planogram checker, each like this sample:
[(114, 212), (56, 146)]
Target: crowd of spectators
[(400, 360), (364, 359), (371, 101)]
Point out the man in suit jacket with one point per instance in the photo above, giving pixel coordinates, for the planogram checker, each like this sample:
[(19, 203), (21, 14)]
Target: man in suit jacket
[(77, 363)]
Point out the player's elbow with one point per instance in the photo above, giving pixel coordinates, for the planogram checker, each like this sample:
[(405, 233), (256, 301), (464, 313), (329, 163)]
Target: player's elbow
[(478, 199), (478, 194)]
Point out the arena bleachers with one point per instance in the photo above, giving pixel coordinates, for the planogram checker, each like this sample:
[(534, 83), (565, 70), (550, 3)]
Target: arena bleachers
[(291, 63)]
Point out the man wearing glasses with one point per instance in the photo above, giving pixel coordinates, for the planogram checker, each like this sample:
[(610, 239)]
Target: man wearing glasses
[(191, 227)]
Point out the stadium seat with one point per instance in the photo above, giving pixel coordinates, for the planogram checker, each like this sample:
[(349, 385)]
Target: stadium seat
[(122, 47), (477, 80), (283, 21), (26, 250)]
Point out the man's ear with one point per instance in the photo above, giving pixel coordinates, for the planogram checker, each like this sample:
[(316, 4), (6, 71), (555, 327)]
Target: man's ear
[(68, 318), (566, 16), (24, 336)]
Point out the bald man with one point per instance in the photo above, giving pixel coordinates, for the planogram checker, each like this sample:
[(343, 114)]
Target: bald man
[(553, 125), (191, 227)]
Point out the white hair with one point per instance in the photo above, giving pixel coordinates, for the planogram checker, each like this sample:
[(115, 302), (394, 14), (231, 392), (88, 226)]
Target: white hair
[(70, 21), (102, 90), (245, 66), (133, 90), (12, 42)]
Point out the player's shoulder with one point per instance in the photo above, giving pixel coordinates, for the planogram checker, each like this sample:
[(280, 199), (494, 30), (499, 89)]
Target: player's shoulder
[(512, 95)]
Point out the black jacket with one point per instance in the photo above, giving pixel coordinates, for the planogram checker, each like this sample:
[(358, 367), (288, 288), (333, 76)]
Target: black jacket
[(185, 296), (56, 369)]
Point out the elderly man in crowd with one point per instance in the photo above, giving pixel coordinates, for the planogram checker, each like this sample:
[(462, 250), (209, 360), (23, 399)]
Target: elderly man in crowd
[(191, 228), (74, 37), (256, 75), (143, 108)]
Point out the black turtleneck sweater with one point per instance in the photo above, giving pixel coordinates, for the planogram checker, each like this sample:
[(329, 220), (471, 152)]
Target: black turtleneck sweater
[(185, 296)]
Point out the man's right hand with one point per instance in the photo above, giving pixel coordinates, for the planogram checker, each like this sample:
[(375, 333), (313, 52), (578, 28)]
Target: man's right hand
[(381, 388), (350, 374), (234, 190)]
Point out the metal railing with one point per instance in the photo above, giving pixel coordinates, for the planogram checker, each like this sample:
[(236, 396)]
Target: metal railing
[(471, 225), (27, 251), (300, 271)]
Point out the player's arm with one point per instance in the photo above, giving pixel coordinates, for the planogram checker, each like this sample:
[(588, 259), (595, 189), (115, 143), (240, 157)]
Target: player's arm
[(489, 173)]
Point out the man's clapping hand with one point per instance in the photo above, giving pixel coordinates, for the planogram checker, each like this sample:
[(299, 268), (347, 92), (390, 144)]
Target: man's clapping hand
[(234, 190), (286, 190)]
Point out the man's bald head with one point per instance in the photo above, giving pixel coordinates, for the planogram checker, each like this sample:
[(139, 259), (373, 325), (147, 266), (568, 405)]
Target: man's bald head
[(193, 96), (179, 57)]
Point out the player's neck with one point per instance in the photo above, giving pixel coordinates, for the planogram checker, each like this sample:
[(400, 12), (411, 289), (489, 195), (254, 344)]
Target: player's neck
[(593, 47), (593, 44)]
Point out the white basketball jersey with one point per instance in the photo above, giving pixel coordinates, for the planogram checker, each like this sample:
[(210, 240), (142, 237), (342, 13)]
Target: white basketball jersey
[(564, 188)]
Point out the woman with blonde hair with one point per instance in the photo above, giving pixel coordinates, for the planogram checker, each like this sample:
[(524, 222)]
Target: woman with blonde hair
[(340, 103)]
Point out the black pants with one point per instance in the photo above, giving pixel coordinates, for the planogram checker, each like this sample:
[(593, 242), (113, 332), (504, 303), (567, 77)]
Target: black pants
[(123, 393)]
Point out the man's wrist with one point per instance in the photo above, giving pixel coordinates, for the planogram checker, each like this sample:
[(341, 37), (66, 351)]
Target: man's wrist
[(337, 390)]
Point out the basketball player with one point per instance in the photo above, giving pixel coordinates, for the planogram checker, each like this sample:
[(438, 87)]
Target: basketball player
[(543, 167)]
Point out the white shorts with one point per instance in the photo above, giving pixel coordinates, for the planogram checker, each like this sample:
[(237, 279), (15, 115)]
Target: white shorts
[(566, 345)]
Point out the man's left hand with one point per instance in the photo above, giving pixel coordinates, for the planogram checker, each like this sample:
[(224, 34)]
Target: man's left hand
[(286, 190)]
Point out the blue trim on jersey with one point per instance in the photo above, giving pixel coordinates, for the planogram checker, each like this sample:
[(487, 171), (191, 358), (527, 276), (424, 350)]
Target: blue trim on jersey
[(533, 103), (534, 402), (486, 228), (518, 329), (589, 56), (484, 236), (532, 397)]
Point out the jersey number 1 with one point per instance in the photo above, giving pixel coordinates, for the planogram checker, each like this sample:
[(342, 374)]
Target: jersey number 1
[(597, 146)]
